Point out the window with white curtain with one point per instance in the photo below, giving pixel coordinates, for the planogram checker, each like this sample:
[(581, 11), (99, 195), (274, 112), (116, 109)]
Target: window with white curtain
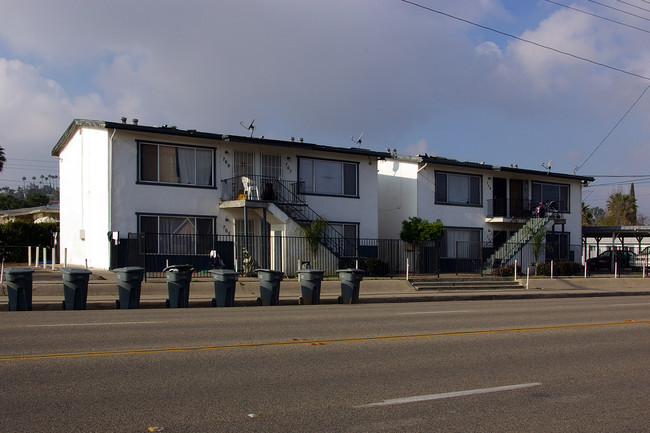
[(164, 163), (458, 189), (328, 177), (183, 235)]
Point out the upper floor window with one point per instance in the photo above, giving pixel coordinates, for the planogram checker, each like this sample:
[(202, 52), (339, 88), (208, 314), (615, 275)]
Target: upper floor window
[(164, 163), (543, 192), (328, 177), (458, 189)]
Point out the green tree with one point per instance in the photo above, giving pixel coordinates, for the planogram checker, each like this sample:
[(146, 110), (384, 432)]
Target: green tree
[(314, 233), (587, 215), (36, 200), (418, 229), (621, 210)]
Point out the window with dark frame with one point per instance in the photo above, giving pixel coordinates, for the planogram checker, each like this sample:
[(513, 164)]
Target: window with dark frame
[(458, 189), (179, 235), (543, 192), (328, 177), (170, 164)]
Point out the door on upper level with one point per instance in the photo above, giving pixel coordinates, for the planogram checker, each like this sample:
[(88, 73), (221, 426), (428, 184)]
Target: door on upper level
[(500, 197)]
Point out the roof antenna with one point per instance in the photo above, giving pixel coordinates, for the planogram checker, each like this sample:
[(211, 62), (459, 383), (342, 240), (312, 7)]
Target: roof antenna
[(250, 127), (357, 140), (547, 166)]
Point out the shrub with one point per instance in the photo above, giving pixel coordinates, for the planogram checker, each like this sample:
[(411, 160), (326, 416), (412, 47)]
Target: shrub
[(563, 268), (22, 234), (506, 271), (373, 267)]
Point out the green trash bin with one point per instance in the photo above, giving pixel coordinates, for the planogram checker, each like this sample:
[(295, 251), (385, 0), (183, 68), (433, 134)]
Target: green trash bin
[(225, 281), (75, 288), (350, 282), (269, 286), (129, 285), (178, 285), (19, 288), (310, 281)]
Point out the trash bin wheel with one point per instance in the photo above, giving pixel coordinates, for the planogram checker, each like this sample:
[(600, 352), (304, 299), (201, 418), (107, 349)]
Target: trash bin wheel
[(213, 302), (339, 299), (63, 304), (167, 303), (117, 304), (259, 301), (301, 301)]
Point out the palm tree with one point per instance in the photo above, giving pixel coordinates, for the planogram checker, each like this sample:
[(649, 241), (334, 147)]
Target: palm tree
[(621, 209), (3, 158)]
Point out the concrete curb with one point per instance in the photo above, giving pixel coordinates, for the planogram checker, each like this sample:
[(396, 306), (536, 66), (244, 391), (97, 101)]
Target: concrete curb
[(159, 303)]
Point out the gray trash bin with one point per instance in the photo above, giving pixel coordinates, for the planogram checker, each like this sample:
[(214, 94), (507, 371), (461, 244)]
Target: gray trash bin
[(178, 285), (350, 282), (75, 288), (269, 286), (310, 281), (19, 288), (129, 285), (225, 281)]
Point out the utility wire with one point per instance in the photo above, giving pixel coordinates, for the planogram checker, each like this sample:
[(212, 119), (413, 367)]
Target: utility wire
[(633, 5), (598, 16), (525, 40), (615, 126), (618, 10)]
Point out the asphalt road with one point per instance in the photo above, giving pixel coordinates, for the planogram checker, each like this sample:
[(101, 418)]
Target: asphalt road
[(508, 366)]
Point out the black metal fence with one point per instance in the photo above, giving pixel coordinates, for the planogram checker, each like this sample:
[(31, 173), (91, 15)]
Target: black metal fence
[(379, 257)]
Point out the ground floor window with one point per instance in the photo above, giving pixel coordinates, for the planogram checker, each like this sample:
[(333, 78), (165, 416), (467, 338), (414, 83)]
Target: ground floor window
[(346, 238), (463, 243), (179, 235), (558, 246)]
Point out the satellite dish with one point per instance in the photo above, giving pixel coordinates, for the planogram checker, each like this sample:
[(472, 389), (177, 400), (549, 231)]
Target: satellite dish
[(250, 127), (547, 165), (357, 140)]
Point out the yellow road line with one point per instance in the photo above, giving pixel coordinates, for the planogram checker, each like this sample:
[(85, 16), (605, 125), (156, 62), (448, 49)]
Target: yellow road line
[(308, 342)]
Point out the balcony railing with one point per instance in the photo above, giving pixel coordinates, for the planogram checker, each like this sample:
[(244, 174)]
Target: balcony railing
[(261, 188), (510, 208)]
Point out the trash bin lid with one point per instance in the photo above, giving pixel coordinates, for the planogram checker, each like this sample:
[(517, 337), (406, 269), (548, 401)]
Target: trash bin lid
[(310, 271), (75, 271), (351, 271), (224, 274), (19, 270), (270, 271), (130, 269), (179, 268)]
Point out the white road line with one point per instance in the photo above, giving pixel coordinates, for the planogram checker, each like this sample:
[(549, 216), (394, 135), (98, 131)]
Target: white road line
[(436, 312), (88, 324), (630, 305), (448, 395)]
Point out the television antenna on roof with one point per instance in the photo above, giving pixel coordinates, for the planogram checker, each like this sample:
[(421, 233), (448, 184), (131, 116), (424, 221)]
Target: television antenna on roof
[(250, 127), (357, 140)]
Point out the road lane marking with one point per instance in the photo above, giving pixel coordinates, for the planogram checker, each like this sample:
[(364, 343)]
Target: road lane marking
[(308, 342), (56, 325), (419, 398), (630, 305), (436, 312)]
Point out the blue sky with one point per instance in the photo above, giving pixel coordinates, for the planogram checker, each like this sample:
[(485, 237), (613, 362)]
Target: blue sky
[(408, 78)]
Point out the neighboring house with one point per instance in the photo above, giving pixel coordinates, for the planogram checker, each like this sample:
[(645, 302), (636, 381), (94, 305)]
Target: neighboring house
[(191, 192), (41, 214), (488, 211)]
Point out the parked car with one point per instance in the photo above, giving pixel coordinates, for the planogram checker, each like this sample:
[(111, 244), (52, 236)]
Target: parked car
[(625, 260), (643, 258)]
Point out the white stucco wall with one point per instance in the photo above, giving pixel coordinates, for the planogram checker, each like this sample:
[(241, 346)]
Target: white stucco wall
[(128, 197), (397, 199), (83, 165)]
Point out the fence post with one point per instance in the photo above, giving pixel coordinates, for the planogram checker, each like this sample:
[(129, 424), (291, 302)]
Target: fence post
[(37, 258), (407, 269), (29, 256), (515, 269), (551, 269), (44, 257)]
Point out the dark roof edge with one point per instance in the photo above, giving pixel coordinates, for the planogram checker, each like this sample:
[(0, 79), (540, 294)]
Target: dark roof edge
[(79, 123), (490, 167)]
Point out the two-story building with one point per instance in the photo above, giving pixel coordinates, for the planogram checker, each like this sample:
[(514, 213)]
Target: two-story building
[(492, 214), (184, 191)]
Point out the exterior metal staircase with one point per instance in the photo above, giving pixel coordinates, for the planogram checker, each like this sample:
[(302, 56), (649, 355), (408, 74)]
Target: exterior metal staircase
[(288, 197), (504, 254)]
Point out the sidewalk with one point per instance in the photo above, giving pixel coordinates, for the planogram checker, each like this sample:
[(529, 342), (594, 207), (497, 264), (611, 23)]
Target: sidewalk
[(102, 290)]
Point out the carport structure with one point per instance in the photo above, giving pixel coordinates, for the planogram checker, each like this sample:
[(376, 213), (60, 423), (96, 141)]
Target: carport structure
[(614, 233)]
